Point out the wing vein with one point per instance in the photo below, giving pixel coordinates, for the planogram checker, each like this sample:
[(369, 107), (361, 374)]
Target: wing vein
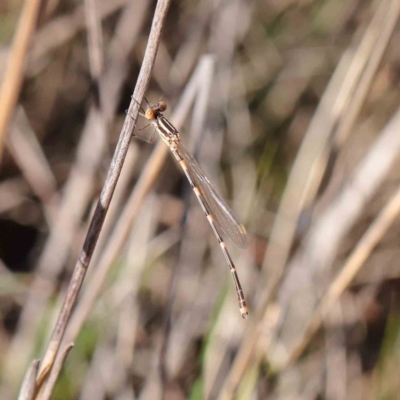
[(224, 217)]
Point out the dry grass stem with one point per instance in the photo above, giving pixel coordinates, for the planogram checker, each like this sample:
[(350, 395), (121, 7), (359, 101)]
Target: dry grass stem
[(375, 40), (106, 194), (47, 389), (28, 386), (95, 39)]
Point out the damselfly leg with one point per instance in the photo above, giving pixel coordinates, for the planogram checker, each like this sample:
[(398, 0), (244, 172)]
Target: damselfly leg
[(143, 134)]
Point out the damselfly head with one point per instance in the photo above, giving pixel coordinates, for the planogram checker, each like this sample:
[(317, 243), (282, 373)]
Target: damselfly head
[(154, 110), (161, 106)]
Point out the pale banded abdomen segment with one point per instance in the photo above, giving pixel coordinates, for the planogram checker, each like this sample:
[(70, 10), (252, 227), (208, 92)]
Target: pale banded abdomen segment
[(207, 212), (225, 219)]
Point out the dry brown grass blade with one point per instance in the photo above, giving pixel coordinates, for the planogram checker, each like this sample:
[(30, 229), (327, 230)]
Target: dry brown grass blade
[(95, 39), (14, 75), (107, 192), (378, 37), (28, 386)]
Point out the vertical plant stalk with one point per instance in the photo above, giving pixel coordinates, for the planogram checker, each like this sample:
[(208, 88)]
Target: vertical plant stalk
[(107, 192)]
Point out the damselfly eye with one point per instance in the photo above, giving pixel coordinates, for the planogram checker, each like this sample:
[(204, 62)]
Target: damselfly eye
[(162, 105), (150, 114)]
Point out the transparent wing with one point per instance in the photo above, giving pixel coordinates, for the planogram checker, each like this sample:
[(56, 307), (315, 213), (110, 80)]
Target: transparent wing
[(223, 216), (145, 133)]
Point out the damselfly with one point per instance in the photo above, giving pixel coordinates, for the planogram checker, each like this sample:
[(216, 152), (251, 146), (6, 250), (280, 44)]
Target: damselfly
[(219, 215)]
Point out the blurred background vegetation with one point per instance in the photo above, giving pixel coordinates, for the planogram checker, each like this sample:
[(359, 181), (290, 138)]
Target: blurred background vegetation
[(291, 108)]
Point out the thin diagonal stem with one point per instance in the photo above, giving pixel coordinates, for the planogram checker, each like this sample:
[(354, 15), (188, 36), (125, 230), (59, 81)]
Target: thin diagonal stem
[(107, 192)]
